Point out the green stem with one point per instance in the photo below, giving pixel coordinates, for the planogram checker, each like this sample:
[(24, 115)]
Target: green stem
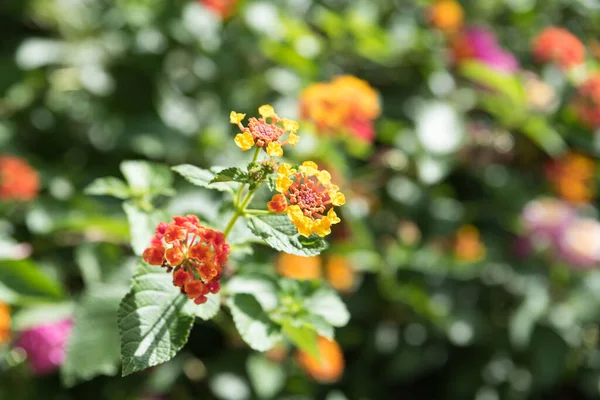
[(257, 212)]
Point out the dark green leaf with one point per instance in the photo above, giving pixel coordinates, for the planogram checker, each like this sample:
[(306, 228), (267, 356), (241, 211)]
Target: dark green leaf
[(280, 234), (231, 175), (22, 282)]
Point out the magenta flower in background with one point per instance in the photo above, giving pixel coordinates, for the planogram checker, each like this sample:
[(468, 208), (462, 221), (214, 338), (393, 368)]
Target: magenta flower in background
[(45, 345), (544, 219), (481, 44), (579, 243)]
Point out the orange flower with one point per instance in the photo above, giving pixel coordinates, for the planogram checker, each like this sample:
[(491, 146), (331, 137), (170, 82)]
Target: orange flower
[(18, 181), (339, 272), (298, 267), (195, 253), (468, 245), (4, 323), (587, 101), (573, 178), (331, 365), (344, 105), (558, 45), (446, 15)]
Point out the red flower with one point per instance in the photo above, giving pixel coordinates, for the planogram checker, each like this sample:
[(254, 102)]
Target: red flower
[(223, 8), (558, 45), (18, 180), (195, 253), (587, 102)]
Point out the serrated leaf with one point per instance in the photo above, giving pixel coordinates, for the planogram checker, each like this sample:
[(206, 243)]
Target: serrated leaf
[(231, 175), (155, 320), (142, 225), (303, 336), (259, 286), (200, 177), (267, 377), (93, 347), (108, 186), (209, 309), (146, 176), (326, 303), (253, 324), (24, 282), (280, 234)]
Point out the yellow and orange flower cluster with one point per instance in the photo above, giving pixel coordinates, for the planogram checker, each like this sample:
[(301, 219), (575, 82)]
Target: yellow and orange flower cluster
[(5, 322), (197, 254), (338, 269), (18, 180), (345, 105), (558, 45), (308, 197), (573, 178), (468, 245), (265, 132), (330, 367), (446, 15)]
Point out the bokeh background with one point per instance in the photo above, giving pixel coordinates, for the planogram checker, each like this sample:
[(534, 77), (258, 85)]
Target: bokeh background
[(464, 135)]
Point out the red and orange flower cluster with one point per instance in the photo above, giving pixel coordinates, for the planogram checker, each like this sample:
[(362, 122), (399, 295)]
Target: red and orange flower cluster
[(197, 254), (224, 8), (18, 180), (558, 45), (345, 105), (573, 178), (587, 101)]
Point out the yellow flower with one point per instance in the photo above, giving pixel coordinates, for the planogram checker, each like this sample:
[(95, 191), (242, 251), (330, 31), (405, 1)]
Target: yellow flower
[(244, 141), (293, 139), (236, 118), (274, 149), (311, 196), (266, 111), (290, 126)]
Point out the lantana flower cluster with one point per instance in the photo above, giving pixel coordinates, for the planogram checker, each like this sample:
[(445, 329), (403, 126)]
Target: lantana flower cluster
[(18, 180), (573, 177), (558, 45), (346, 105), (195, 253), (307, 196)]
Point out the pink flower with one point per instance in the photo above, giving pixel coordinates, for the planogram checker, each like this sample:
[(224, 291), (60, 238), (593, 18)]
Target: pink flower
[(45, 345), (480, 44), (544, 219), (579, 243)]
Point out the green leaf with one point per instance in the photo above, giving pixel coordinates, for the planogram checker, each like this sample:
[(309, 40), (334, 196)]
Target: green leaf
[(93, 347), (144, 176), (500, 82), (259, 286), (209, 309), (280, 234), (303, 336), (253, 324), (200, 177), (155, 320), (231, 175), (43, 313), (267, 377), (142, 225), (24, 282), (326, 303), (541, 133), (109, 186)]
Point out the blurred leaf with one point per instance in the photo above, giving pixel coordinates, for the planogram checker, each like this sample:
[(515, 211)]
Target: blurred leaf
[(23, 282), (109, 186), (326, 303), (209, 309), (155, 320), (147, 177), (142, 225), (200, 177), (303, 336), (523, 321), (541, 133), (280, 234), (267, 377), (93, 347), (500, 82), (253, 324), (260, 286), (31, 316)]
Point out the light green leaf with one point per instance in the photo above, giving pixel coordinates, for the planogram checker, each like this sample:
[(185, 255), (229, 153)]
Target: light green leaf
[(253, 324), (43, 313), (24, 282), (93, 347), (144, 176), (267, 377), (155, 320), (109, 186), (326, 303), (541, 133), (142, 225), (303, 336), (231, 175), (209, 309), (280, 234), (260, 286), (500, 82), (201, 177)]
